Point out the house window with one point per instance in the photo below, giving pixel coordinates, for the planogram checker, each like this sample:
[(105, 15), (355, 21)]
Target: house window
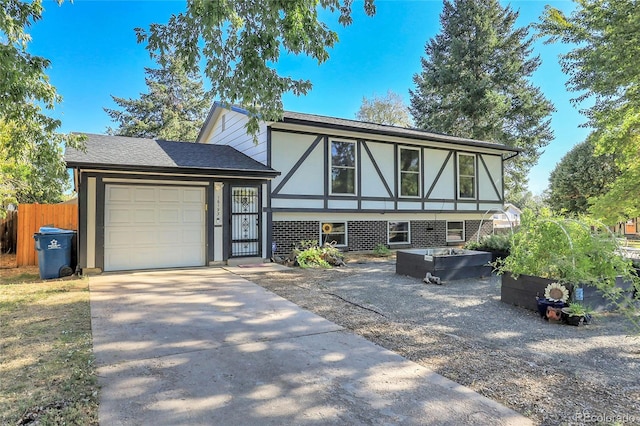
[(466, 176), (224, 122), (334, 233), (398, 232), (343, 167), (455, 231), (409, 172)]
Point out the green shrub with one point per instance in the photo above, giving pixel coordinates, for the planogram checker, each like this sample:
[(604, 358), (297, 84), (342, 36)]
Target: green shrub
[(494, 242), (382, 250), (311, 255)]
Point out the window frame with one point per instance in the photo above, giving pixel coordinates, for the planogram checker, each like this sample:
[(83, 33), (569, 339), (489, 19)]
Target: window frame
[(355, 167), (346, 233), (463, 231), (408, 232), (474, 177), (404, 172)]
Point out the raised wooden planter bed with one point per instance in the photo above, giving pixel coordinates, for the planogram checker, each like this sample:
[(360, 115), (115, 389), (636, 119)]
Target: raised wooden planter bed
[(445, 263), (523, 291)]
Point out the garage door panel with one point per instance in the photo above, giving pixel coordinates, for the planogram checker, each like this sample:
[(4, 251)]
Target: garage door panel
[(117, 238), (171, 215), (117, 216), (192, 237), (193, 196), (145, 194), (192, 216), (144, 216), (171, 237), (149, 227), (119, 193), (169, 195), (143, 237)]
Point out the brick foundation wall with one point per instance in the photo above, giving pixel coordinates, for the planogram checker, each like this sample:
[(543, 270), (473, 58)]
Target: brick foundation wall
[(428, 233), (366, 235), (471, 229), (287, 235)]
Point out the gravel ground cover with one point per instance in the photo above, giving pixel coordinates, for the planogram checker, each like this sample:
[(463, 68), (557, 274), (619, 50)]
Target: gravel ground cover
[(552, 373)]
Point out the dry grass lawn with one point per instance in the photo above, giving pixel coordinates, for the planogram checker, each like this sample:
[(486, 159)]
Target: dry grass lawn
[(46, 359)]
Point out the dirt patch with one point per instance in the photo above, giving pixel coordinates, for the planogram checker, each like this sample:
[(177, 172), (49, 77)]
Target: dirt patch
[(551, 373)]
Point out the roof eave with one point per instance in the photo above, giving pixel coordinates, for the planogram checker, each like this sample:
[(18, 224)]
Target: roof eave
[(264, 174), (427, 137)]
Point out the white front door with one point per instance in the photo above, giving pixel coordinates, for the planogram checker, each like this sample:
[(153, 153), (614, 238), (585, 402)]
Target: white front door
[(149, 227)]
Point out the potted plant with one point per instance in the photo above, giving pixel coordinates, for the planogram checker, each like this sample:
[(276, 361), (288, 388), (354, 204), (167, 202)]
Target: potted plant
[(555, 298), (579, 253), (576, 314)]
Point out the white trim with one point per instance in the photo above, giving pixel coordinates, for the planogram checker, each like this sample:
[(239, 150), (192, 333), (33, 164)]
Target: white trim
[(175, 174), (91, 222), (475, 175), (408, 222), (464, 226), (355, 168), (157, 182), (400, 171)]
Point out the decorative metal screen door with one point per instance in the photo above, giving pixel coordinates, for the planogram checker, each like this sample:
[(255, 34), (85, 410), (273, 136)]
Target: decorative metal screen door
[(245, 221)]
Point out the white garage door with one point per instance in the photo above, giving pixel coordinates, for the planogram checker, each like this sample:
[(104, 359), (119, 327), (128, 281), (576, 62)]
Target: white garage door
[(148, 227)]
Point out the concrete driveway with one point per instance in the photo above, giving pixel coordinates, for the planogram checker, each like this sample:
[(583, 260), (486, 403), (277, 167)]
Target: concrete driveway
[(204, 346)]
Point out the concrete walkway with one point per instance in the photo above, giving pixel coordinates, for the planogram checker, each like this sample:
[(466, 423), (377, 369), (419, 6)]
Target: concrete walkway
[(204, 346)]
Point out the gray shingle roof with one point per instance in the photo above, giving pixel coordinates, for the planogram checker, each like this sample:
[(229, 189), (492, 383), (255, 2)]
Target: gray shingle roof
[(127, 153), (382, 129)]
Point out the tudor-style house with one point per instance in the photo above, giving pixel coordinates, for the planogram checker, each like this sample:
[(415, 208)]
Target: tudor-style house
[(366, 184), (147, 203)]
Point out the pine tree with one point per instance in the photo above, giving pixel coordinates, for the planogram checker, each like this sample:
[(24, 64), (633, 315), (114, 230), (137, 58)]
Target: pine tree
[(174, 108), (475, 83)]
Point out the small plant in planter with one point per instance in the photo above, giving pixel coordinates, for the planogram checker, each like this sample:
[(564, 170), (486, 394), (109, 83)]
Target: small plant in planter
[(576, 314), (571, 252)]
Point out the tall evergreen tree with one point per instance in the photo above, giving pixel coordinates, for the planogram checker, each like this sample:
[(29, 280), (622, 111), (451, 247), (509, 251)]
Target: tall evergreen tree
[(475, 83), (174, 108)]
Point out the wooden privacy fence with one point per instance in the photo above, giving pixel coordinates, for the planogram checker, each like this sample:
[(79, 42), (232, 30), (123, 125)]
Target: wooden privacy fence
[(31, 217), (9, 232)]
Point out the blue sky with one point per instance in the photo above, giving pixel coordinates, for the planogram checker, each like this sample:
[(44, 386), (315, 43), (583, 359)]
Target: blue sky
[(94, 54)]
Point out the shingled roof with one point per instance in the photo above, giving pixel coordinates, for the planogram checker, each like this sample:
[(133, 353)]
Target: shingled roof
[(383, 129), (126, 153)]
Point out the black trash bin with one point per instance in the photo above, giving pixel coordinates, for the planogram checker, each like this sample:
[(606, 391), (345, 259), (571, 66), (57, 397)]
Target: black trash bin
[(54, 252)]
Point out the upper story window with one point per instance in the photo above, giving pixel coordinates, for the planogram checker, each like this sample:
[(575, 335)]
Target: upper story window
[(409, 172), (466, 176), (343, 167)]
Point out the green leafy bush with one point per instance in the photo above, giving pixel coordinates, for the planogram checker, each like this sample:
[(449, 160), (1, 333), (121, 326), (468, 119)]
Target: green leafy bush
[(577, 251), (311, 255), (382, 250), (494, 242)]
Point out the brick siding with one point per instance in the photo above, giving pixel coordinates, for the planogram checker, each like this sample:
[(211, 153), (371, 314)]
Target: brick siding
[(287, 234), (366, 235)]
